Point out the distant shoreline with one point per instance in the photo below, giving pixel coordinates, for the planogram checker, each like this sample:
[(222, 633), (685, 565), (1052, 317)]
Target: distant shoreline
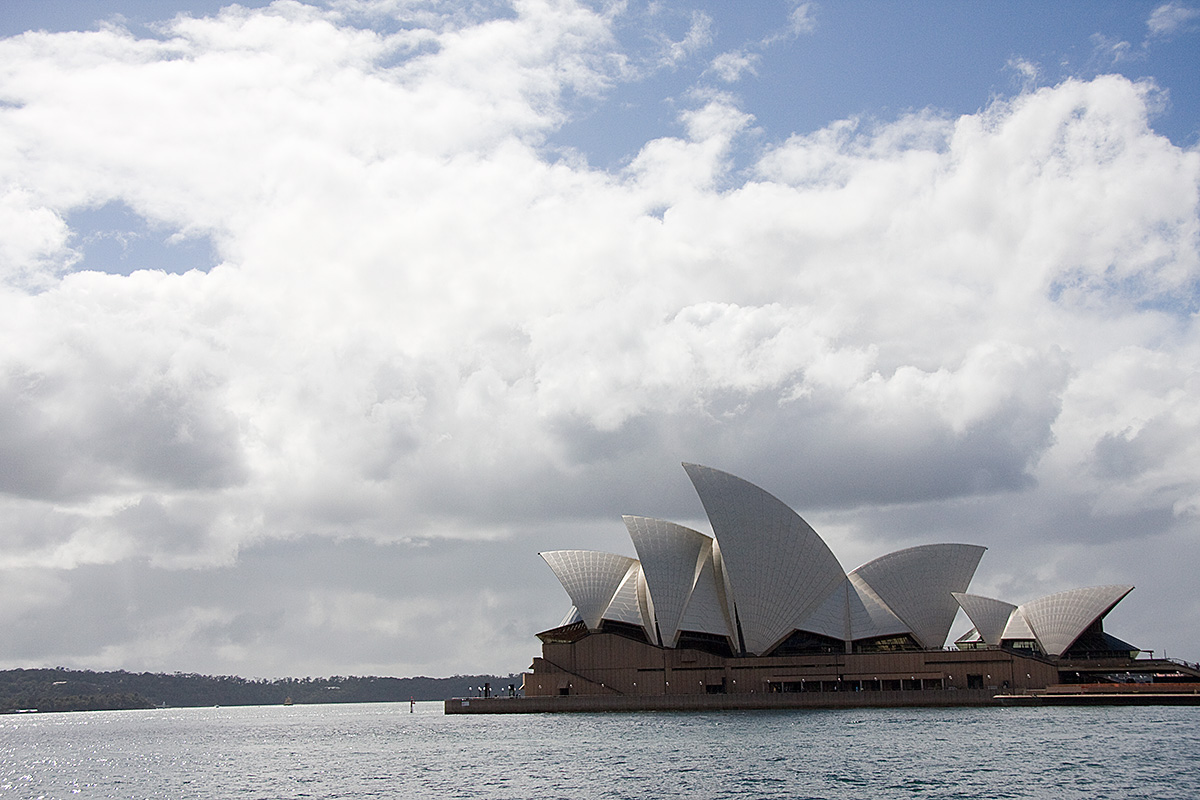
[(59, 689)]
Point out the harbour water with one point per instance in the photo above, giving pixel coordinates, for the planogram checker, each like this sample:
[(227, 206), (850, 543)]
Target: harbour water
[(383, 750)]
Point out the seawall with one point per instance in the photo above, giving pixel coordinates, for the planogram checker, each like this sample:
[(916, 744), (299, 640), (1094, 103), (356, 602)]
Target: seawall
[(720, 702)]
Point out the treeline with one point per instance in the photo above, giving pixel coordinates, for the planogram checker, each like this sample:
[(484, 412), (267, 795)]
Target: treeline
[(83, 690)]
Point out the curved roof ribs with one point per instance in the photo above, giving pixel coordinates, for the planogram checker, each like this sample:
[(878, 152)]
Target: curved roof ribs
[(1017, 629), (671, 556), (777, 566), (990, 617), (870, 617), (630, 602), (706, 611), (1059, 619), (591, 578), (918, 583)]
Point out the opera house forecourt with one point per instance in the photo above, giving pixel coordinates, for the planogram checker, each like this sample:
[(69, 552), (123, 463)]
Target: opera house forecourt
[(762, 615)]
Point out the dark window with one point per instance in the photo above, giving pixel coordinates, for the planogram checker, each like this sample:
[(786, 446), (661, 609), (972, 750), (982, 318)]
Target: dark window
[(887, 644), (803, 642), (705, 642), (635, 632)]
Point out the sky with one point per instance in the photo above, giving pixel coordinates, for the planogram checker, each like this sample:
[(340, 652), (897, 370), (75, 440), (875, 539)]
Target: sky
[(319, 320)]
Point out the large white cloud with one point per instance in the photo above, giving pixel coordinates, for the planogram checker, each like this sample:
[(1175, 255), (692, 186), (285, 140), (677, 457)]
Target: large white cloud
[(428, 325)]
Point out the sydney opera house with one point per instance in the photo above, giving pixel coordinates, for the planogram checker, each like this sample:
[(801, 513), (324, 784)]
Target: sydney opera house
[(762, 614)]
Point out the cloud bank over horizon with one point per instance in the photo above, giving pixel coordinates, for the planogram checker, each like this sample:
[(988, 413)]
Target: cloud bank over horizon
[(423, 338)]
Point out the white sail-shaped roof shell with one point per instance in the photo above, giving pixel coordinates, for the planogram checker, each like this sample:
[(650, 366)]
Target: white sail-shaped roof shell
[(870, 618), (646, 606), (851, 612), (706, 610), (1059, 619), (832, 617), (918, 583), (671, 556), (630, 603), (990, 617), (724, 593), (591, 579), (778, 568), (1017, 629)]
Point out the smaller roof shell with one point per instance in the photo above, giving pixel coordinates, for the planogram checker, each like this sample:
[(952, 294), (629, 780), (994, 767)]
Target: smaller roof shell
[(671, 556), (1017, 629), (706, 610), (870, 617), (591, 579), (918, 583), (853, 612), (990, 617), (630, 602), (1059, 619)]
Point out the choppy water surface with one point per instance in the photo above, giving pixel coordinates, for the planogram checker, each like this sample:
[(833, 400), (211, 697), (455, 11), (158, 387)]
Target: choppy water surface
[(382, 750)]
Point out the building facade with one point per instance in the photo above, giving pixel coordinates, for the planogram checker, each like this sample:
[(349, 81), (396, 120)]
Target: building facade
[(762, 614)]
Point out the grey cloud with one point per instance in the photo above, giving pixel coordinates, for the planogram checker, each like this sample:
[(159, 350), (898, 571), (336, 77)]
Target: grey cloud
[(157, 529), (1131, 453), (301, 596), (70, 436)]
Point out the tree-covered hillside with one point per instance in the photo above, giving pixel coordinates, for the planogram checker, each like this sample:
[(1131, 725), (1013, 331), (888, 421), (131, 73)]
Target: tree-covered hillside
[(83, 690)]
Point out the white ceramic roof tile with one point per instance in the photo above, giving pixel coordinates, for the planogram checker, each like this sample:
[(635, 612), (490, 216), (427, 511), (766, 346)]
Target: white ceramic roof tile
[(1058, 619), (625, 606), (724, 591), (590, 577), (671, 556), (646, 606), (832, 617), (990, 617), (705, 613), (778, 568), (1017, 628), (917, 584), (870, 618)]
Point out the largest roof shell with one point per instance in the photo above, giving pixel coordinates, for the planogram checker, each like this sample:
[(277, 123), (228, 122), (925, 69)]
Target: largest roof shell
[(778, 567)]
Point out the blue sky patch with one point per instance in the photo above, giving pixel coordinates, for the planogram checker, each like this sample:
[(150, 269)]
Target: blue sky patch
[(115, 239)]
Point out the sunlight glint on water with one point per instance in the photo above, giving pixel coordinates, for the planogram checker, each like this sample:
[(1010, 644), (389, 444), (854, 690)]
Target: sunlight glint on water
[(382, 750)]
